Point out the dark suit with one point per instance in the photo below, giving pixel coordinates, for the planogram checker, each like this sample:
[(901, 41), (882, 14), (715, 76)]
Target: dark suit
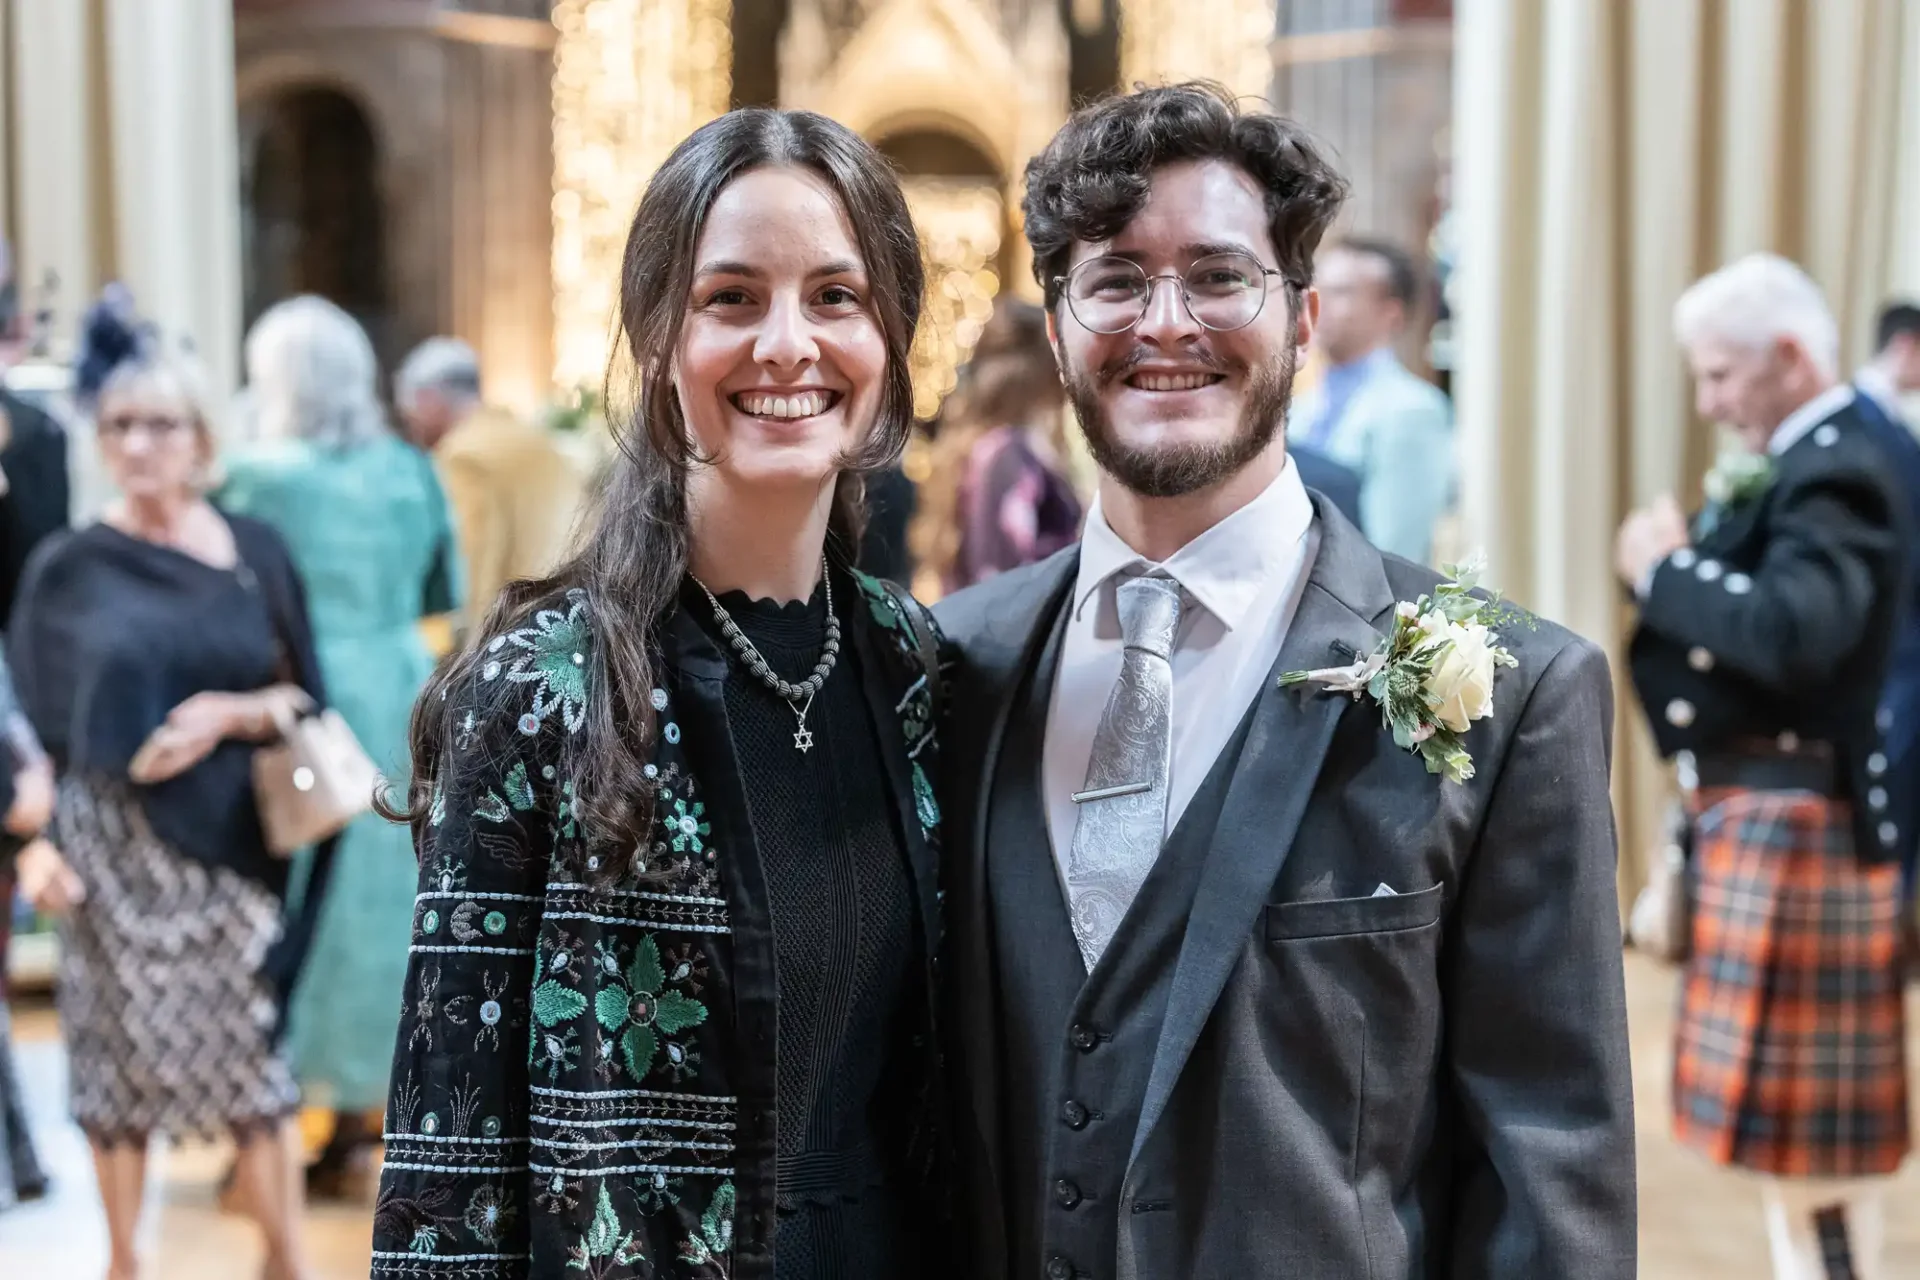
[(1272, 1073), (35, 504), (1781, 620), (1900, 697)]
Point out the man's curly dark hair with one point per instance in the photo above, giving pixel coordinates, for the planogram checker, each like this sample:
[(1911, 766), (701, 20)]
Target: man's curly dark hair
[(1094, 176)]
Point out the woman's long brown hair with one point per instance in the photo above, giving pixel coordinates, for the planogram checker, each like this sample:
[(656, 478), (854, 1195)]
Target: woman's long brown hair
[(633, 557)]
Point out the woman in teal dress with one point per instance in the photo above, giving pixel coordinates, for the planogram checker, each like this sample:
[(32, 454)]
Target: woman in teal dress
[(369, 529)]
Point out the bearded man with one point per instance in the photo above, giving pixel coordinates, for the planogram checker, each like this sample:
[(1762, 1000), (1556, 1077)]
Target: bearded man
[(1256, 977)]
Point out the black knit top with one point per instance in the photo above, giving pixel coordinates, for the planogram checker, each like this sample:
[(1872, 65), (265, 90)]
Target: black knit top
[(841, 901)]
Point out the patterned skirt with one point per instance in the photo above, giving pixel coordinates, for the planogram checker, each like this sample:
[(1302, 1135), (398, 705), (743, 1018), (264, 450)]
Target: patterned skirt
[(1791, 1053), (167, 1019)]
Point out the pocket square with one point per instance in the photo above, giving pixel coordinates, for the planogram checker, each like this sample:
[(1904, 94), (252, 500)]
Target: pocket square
[(1385, 890)]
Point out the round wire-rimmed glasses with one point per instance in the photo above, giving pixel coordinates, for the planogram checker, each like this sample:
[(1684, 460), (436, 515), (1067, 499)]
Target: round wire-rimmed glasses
[(1222, 292)]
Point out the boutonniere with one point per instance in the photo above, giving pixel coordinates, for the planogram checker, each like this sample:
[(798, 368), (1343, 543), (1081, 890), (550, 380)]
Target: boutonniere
[(1738, 477), (1432, 674)]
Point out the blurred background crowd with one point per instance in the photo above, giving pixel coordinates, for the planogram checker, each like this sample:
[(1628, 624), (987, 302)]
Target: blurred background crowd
[(349, 267)]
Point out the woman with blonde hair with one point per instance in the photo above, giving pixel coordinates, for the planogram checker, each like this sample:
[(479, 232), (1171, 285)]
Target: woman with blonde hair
[(154, 650), (367, 524), (998, 496)]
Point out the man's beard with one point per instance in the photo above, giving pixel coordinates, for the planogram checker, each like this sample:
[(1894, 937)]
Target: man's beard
[(1170, 471)]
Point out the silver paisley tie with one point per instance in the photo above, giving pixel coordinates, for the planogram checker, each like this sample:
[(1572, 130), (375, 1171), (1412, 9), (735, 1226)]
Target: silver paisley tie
[(1123, 807)]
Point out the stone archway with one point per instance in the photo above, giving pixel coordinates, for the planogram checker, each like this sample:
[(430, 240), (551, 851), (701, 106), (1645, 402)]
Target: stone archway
[(314, 216)]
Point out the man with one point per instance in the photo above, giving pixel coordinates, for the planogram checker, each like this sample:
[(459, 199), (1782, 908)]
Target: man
[(1894, 372), (1368, 411), (515, 496), (1884, 382), (1240, 988), (34, 479), (1764, 636)]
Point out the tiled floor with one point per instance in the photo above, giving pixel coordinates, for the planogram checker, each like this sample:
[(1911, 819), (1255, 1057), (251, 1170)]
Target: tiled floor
[(1697, 1222)]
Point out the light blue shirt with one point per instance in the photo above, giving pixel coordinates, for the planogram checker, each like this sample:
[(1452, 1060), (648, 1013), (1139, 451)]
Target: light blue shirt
[(1337, 390)]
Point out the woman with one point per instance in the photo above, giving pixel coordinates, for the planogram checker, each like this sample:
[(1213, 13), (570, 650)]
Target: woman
[(998, 496), (368, 526), (153, 650), (670, 1011)]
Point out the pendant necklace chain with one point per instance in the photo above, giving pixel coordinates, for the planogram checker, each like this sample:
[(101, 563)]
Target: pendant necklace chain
[(799, 696)]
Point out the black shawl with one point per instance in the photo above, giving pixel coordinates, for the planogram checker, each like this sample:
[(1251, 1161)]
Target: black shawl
[(109, 633)]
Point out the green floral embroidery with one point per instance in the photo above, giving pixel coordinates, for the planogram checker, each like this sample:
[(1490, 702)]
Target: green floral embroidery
[(712, 1245), (924, 804), (552, 656), (604, 1247), (553, 1003), (879, 602), (639, 1009), (687, 827), (519, 798), (438, 813), (519, 788)]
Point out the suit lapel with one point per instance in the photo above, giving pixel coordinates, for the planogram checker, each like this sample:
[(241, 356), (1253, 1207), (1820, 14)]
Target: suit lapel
[(1267, 797), (996, 659)]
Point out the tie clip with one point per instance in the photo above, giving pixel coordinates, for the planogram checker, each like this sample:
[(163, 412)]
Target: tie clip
[(1109, 793)]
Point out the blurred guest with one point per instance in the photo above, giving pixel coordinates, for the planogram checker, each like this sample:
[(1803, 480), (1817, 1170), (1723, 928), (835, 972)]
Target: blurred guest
[(1368, 412), (367, 524), (515, 495), (34, 489), (26, 803), (1340, 484), (1765, 632), (998, 495), (1894, 372), (152, 651)]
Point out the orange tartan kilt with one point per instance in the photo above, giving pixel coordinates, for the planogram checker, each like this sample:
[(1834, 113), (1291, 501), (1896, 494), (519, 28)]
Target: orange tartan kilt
[(1791, 1037)]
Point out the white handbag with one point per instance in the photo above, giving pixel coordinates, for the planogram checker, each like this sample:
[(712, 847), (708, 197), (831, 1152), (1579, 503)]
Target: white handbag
[(311, 782)]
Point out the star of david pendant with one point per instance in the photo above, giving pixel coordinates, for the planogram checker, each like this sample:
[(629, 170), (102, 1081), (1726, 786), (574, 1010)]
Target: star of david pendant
[(803, 736)]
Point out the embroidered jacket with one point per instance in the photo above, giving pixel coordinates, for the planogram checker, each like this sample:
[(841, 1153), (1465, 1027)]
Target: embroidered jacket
[(585, 1076)]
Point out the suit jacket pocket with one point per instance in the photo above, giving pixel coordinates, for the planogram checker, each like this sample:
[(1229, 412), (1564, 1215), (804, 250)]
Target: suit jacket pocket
[(1333, 917)]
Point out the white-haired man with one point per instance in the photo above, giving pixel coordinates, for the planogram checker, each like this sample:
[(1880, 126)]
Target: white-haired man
[(515, 495), (1766, 630)]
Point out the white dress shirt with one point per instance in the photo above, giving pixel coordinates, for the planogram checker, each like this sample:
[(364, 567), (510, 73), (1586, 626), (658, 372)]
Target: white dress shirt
[(1808, 416), (1240, 584), (1875, 383)]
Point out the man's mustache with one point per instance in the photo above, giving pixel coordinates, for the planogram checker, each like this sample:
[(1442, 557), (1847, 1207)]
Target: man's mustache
[(1118, 368)]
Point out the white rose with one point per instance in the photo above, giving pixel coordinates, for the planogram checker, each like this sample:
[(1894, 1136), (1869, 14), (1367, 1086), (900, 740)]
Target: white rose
[(1462, 681)]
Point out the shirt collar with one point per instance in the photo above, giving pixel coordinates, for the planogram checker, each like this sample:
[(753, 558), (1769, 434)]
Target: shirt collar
[(1878, 386), (1225, 569), (1808, 416)]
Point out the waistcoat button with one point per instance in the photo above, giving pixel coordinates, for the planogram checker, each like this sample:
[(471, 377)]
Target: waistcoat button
[(1083, 1037), (1059, 1269), (1065, 1194), (1075, 1115)]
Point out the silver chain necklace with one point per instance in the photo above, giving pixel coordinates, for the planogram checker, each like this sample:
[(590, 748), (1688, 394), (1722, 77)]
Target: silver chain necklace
[(798, 696)]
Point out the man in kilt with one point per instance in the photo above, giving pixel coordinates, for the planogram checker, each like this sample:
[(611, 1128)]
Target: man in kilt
[(1764, 638)]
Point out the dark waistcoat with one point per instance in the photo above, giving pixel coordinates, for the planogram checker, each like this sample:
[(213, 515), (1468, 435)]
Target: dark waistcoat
[(1076, 1047)]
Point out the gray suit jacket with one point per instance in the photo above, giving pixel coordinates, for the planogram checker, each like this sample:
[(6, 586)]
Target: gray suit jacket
[(1432, 1084)]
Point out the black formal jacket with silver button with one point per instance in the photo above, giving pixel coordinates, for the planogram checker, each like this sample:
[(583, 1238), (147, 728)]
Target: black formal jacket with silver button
[(1780, 621), (1272, 1072)]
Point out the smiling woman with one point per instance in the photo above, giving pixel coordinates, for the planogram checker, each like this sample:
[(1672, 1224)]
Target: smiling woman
[(670, 1005)]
